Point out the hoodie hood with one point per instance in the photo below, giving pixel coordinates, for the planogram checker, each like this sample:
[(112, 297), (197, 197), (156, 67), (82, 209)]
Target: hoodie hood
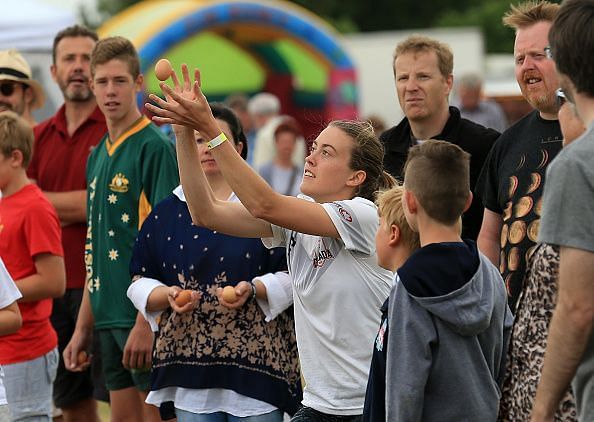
[(452, 283)]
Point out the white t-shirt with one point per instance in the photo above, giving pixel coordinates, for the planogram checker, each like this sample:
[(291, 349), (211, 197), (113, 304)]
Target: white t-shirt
[(9, 293), (338, 290)]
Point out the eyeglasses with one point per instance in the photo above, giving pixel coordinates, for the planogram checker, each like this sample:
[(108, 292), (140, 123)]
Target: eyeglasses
[(548, 52), (7, 88), (561, 98)]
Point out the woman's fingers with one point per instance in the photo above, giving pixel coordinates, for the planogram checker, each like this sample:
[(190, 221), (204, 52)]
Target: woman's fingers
[(197, 91), (161, 112), (177, 97), (165, 120), (197, 78), (170, 108), (158, 100), (175, 80), (186, 76), (167, 90)]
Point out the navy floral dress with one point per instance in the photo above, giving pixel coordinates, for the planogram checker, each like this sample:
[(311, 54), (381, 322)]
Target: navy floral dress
[(216, 347)]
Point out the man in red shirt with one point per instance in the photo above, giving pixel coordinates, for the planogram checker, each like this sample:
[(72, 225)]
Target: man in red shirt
[(62, 145)]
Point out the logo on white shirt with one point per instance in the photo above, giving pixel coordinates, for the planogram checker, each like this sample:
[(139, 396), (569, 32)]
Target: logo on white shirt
[(321, 255), (345, 214)]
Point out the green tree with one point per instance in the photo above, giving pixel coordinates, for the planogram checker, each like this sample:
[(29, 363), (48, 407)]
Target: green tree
[(349, 16), (487, 16), (383, 15), (106, 9)]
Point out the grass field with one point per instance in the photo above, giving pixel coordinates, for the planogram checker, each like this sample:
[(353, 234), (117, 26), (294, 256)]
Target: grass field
[(104, 412)]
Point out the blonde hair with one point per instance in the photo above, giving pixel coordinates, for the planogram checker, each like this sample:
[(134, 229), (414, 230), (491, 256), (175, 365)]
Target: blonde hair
[(530, 12), (420, 43), (16, 134), (389, 206)]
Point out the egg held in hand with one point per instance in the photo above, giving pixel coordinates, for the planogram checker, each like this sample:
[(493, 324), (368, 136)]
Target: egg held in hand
[(183, 297), (81, 357), (229, 294)]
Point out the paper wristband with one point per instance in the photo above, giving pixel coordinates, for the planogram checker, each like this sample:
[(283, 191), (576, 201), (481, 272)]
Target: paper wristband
[(216, 141)]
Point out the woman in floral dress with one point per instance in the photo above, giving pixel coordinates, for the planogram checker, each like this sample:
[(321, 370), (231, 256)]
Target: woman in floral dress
[(215, 363)]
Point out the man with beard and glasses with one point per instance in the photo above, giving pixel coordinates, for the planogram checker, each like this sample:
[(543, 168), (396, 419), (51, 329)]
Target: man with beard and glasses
[(511, 182), (62, 146), (18, 92)]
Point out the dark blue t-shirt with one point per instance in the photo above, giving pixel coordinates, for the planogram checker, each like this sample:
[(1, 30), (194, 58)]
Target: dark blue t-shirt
[(375, 401)]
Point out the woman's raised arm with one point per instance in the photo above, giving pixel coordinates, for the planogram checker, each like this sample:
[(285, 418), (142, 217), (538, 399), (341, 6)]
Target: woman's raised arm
[(206, 210), (262, 202)]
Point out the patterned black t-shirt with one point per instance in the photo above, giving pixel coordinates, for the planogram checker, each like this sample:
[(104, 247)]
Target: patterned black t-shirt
[(511, 184)]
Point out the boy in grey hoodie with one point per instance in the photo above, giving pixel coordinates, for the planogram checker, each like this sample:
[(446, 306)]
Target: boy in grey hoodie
[(448, 314)]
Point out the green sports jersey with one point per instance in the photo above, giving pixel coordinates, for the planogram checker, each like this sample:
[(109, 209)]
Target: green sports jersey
[(124, 178)]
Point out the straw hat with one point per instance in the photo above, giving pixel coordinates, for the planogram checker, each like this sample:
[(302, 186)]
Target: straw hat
[(14, 67)]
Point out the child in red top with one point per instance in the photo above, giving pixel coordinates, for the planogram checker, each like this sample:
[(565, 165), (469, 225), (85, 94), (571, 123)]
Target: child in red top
[(31, 248)]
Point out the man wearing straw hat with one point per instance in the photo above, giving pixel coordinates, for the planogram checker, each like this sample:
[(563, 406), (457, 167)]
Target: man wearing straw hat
[(18, 92)]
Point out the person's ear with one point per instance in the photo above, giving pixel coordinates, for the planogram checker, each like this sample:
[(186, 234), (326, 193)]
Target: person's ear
[(449, 83), (29, 95), (410, 202), (394, 235), (16, 158), (239, 147), (54, 72), (357, 178), (138, 82), (468, 201)]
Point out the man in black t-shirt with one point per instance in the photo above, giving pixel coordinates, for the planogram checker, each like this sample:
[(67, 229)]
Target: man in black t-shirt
[(423, 73), (512, 179)]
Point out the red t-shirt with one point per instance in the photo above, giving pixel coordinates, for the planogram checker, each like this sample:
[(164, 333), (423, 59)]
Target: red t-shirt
[(29, 226), (59, 164)]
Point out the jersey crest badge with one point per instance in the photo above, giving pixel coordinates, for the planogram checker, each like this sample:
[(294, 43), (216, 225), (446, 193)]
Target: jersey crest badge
[(119, 183)]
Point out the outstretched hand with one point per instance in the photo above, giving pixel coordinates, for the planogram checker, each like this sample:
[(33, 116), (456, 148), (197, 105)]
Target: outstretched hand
[(184, 104)]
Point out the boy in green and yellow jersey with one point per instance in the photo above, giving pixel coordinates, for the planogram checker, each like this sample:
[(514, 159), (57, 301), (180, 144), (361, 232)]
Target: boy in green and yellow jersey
[(131, 169)]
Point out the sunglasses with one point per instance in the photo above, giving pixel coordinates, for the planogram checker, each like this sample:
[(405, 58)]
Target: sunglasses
[(561, 98), (7, 88)]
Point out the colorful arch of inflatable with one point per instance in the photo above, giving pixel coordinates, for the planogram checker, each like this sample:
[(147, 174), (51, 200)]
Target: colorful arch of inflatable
[(246, 47)]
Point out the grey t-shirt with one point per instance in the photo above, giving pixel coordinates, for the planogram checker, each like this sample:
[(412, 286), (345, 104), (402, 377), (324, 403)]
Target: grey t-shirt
[(568, 220)]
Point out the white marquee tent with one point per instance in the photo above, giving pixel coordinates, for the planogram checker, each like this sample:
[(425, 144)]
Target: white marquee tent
[(30, 25)]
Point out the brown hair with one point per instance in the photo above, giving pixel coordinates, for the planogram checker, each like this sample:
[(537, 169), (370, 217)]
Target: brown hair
[(288, 124), (119, 48), (438, 174), (530, 12), (367, 154), (72, 32), (16, 134), (419, 43), (389, 207), (571, 37)]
